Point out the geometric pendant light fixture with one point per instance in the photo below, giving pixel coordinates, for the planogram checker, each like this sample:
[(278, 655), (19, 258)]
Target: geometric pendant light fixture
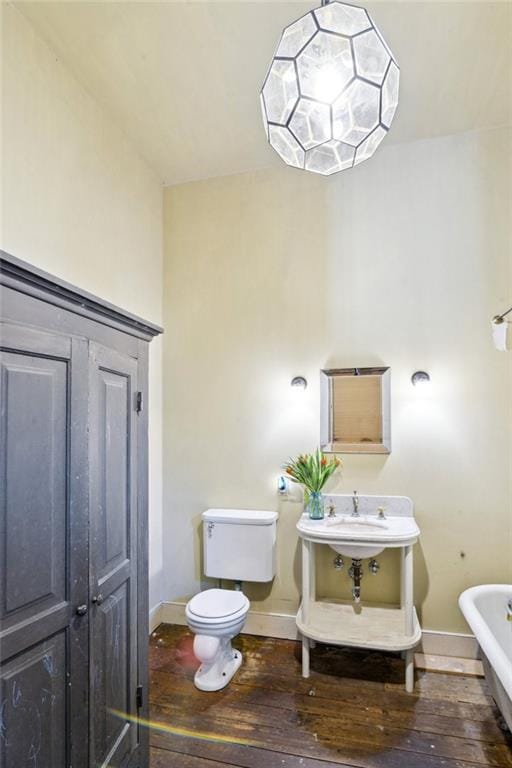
[(331, 90)]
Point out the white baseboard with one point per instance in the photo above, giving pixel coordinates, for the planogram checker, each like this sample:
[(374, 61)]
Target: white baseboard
[(155, 617), (173, 613), (283, 626), (449, 644)]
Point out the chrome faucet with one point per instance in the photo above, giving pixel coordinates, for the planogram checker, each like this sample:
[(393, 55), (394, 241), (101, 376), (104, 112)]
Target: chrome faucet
[(355, 502)]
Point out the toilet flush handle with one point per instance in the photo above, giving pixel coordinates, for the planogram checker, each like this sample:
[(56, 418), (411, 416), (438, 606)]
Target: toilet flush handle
[(210, 529)]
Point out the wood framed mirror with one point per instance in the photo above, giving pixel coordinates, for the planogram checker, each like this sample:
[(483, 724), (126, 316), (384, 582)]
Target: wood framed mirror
[(355, 410)]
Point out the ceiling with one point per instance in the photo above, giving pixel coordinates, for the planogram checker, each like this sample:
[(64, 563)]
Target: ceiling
[(182, 78)]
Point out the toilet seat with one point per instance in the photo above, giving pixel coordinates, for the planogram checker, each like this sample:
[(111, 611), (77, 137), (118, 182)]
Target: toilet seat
[(217, 606)]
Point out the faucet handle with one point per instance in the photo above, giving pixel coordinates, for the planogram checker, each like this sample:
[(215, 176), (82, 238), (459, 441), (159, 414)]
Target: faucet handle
[(381, 514)]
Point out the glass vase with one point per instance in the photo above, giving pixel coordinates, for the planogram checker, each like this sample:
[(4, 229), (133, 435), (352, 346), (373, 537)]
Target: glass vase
[(315, 505)]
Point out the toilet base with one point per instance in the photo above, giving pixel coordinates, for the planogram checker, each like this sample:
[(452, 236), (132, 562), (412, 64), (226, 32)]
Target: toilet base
[(215, 675)]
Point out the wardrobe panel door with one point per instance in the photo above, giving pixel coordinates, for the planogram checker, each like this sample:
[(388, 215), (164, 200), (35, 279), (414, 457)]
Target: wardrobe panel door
[(34, 504), (33, 706), (113, 556), (42, 639)]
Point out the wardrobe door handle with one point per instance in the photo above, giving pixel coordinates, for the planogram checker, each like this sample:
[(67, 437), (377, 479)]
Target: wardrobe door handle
[(81, 610), (97, 599)]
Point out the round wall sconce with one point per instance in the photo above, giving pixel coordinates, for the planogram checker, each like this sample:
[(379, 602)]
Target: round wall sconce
[(420, 377), (299, 382)]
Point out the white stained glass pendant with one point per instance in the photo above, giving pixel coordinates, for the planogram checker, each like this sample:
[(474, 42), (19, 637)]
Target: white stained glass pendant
[(331, 91)]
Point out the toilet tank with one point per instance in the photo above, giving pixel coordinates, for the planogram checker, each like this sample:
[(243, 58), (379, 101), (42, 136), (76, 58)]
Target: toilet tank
[(239, 544)]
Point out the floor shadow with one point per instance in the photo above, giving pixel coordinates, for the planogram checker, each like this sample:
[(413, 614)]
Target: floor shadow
[(355, 663)]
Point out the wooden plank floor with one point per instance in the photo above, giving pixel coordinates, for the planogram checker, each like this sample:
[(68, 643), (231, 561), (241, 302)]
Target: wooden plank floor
[(353, 711)]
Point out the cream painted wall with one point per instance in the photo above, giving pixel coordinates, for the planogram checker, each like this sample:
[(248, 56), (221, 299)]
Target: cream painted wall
[(79, 202), (270, 274), (402, 262)]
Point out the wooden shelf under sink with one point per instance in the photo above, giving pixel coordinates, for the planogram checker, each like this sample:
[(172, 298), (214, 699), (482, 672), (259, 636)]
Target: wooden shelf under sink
[(339, 622)]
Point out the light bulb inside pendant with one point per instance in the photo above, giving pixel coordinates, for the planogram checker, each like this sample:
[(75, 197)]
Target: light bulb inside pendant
[(328, 83), (331, 90)]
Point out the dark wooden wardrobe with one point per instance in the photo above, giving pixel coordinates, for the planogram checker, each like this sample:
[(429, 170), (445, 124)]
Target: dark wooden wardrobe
[(73, 526)]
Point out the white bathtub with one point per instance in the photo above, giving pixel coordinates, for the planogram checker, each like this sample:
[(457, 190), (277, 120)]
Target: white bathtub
[(485, 609)]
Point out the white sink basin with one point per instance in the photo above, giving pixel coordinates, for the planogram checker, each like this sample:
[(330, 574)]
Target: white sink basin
[(354, 526), (359, 537)]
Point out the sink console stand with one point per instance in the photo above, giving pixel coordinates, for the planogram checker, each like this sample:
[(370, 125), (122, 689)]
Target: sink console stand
[(364, 625)]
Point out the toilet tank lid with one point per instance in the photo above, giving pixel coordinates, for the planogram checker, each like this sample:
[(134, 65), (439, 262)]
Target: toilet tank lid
[(240, 516)]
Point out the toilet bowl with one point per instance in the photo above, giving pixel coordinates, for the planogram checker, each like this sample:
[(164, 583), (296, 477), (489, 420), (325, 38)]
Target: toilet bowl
[(216, 616)]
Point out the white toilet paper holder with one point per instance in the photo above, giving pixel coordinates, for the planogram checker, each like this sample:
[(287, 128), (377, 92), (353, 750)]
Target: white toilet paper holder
[(498, 319)]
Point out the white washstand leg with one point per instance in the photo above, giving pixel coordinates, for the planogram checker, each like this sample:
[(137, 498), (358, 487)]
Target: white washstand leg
[(305, 656), (312, 581), (402, 586), (306, 597), (406, 600), (409, 670)]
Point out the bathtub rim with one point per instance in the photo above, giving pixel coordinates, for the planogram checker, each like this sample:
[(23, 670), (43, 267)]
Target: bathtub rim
[(483, 634)]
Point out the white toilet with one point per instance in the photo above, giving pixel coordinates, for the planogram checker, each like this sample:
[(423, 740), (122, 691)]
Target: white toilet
[(239, 545)]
